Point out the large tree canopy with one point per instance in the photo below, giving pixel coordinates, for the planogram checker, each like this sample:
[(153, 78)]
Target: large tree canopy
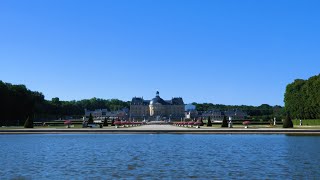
[(302, 98), (17, 103)]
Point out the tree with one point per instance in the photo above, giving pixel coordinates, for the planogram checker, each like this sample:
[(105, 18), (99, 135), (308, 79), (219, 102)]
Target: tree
[(287, 123), (28, 123), (56, 101), (302, 98), (90, 121), (209, 123), (224, 122), (105, 123), (201, 121)]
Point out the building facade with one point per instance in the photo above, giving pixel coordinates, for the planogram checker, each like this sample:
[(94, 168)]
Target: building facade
[(157, 108), (104, 113), (217, 115)]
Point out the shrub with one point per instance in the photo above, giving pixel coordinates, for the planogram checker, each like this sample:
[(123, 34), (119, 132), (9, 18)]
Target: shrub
[(68, 123), (117, 123), (209, 123), (287, 123), (90, 121), (224, 122), (28, 123), (105, 123), (201, 121), (246, 123)]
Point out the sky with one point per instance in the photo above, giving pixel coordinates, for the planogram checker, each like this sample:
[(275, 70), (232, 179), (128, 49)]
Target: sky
[(216, 51)]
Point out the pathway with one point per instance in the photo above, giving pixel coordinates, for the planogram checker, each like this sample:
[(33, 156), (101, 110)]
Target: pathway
[(158, 127)]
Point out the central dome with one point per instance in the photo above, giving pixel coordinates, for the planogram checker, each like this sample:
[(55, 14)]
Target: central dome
[(158, 100)]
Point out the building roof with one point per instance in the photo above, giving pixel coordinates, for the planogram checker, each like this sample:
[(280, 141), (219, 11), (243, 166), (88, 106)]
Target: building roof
[(157, 100), (139, 101)]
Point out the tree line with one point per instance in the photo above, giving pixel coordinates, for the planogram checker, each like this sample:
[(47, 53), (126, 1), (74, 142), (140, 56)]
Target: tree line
[(61, 109), (302, 98), (264, 111), (17, 103)]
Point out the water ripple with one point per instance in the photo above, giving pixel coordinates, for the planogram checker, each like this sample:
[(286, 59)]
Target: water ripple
[(159, 157)]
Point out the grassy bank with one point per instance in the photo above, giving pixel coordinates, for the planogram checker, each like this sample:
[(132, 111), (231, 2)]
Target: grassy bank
[(307, 122)]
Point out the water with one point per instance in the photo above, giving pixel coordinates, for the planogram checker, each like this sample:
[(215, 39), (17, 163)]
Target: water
[(88, 156)]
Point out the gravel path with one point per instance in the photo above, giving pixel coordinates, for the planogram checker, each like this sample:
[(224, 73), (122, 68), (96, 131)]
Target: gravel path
[(158, 127)]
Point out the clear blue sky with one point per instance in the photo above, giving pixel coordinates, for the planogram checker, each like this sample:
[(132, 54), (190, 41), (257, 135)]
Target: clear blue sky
[(219, 51)]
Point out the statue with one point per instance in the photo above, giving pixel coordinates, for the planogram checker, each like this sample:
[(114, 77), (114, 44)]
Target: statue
[(230, 122)]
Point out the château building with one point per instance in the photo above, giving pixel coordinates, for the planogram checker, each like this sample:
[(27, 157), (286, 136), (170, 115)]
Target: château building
[(217, 115), (105, 113), (157, 108)]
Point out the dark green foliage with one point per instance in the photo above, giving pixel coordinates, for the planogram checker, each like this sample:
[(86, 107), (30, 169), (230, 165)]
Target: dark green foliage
[(302, 98), (76, 108), (28, 123), (105, 122), (18, 102), (90, 121), (209, 123), (224, 122), (287, 123), (201, 121), (253, 111)]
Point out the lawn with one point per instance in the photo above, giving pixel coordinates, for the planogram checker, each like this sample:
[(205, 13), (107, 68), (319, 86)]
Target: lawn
[(307, 122)]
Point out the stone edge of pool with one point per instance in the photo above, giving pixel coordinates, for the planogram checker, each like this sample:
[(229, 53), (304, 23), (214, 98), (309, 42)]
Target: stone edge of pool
[(187, 131)]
